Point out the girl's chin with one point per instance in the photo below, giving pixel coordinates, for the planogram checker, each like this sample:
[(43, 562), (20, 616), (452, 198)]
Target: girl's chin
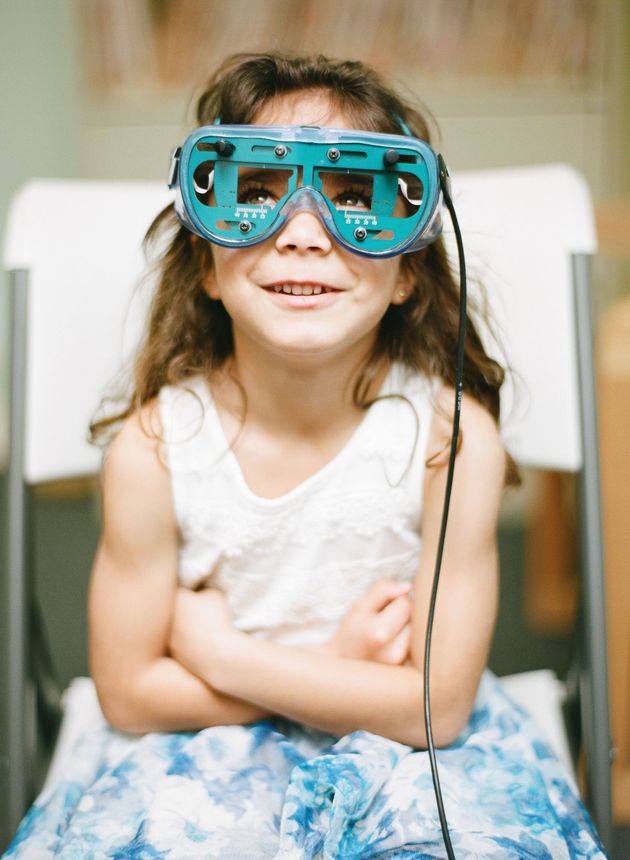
[(307, 352), (315, 354), (303, 340)]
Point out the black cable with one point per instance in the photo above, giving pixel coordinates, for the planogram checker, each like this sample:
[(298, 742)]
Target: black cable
[(459, 387)]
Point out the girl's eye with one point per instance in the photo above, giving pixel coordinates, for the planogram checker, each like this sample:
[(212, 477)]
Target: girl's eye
[(262, 187), (350, 199), (256, 196)]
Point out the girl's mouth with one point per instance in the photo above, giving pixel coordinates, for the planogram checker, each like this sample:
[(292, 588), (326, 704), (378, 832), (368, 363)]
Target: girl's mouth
[(301, 289), (303, 296)]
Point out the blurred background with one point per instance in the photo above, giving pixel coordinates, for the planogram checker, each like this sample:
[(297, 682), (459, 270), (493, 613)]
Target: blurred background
[(104, 89)]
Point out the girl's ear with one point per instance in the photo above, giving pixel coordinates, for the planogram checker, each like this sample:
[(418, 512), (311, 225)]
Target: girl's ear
[(404, 284), (210, 284), (203, 258)]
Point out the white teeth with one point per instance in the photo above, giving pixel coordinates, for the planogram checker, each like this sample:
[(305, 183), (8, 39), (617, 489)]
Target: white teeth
[(300, 289)]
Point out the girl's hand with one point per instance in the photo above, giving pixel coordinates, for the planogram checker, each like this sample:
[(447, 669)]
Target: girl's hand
[(202, 626), (377, 627)]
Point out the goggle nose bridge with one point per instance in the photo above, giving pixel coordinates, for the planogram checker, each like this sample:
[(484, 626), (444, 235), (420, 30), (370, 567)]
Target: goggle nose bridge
[(305, 198)]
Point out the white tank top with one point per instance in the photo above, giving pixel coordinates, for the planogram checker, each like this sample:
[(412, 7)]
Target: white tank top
[(292, 566)]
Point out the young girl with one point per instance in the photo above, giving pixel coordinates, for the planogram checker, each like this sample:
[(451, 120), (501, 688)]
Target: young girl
[(271, 510)]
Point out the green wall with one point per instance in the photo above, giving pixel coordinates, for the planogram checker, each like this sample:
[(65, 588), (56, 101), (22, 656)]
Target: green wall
[(40, 110), (40, 104)]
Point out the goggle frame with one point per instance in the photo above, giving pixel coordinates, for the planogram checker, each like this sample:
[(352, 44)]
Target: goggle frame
[(308, 153)]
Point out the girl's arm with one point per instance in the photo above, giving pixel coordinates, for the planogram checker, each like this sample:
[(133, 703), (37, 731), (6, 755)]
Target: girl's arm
[(341, 695), (132, 597), (133, 594)]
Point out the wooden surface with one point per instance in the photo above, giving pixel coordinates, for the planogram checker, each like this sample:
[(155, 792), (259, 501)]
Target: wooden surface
[(612, 218), (551, 583), (613, 359)]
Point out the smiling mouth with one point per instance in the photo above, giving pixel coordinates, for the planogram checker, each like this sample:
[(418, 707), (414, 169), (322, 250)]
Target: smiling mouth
[(301, 289)]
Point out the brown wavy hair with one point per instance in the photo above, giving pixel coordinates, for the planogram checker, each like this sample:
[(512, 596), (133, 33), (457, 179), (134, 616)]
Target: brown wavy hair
[(188, 333)]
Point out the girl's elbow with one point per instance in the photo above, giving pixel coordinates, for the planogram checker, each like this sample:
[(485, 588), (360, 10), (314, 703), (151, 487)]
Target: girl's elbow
[(112, 710), (119, 710), (444, 732), (449, 727), (448, 720)]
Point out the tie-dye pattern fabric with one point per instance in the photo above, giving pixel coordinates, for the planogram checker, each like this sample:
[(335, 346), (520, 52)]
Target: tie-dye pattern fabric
[(276, 789)]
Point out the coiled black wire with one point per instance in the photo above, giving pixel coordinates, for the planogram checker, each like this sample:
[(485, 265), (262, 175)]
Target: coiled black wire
[(459, 387)]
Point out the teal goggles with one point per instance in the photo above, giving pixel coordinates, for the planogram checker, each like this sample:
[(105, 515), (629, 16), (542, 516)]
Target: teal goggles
[(378, 195)]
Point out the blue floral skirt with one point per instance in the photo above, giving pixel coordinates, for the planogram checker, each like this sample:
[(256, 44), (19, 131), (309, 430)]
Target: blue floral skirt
[(277, 789)]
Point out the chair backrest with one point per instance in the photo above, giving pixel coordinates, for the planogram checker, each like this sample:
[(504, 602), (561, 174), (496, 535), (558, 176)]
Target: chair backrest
[(80, 243), (521, 227)]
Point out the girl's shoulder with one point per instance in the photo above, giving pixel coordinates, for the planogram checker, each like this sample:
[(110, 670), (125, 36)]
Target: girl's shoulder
[(481, 446), (135, 480), (137, 441)]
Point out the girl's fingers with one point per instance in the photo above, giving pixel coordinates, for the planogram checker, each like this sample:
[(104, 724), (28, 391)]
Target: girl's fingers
[(382, 593), (397, 650), (392, 619)]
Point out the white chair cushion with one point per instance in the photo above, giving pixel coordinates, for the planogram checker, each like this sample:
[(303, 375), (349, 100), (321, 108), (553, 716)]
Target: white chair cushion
[(541, 694)]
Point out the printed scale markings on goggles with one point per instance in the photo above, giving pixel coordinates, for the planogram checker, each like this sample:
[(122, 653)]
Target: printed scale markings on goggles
[(377, 194)]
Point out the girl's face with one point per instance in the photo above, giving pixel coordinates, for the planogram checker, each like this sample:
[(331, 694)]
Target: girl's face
[(299, 294)]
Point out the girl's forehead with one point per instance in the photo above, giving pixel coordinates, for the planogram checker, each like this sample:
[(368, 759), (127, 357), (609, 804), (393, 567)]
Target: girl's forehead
[(303, 107)]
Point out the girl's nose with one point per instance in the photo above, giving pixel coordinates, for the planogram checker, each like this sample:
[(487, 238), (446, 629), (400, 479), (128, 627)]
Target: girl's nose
[(304, 233)]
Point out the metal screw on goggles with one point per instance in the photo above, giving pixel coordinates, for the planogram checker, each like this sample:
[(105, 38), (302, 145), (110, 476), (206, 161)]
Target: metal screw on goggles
[(378, 195)]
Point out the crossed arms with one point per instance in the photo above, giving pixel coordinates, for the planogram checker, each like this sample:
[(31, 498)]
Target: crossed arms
[(167, 659)]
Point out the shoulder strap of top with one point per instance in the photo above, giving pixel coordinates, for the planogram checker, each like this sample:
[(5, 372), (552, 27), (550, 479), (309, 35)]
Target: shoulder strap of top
[(191, 438)]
